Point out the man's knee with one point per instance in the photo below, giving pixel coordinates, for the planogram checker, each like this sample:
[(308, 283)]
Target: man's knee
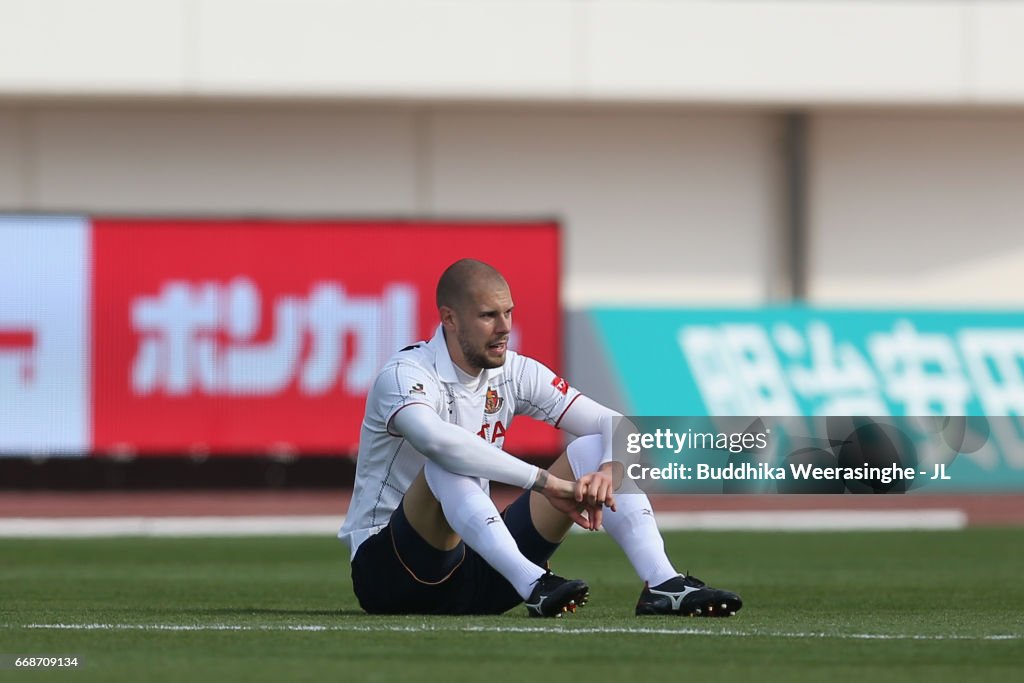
[(584, 455), (426, 515)]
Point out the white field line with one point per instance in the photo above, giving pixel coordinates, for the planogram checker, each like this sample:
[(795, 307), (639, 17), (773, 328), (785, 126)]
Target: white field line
[(100, 527), (815, 520), (326, 525), (568, 630)]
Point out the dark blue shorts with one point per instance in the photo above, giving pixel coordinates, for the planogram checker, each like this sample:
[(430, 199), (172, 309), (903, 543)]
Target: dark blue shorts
[(396, 572)]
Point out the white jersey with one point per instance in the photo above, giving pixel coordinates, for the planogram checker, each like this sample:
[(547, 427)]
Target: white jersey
[(424, 374)]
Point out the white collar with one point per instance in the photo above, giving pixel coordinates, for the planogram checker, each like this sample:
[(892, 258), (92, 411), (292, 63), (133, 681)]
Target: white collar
[(446, 368)]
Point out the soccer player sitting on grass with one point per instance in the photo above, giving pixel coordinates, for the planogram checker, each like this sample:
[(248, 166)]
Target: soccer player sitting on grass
[(425, 536)]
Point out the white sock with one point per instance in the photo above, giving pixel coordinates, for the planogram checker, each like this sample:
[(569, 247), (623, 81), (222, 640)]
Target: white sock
[(632, 525), (471, 514)]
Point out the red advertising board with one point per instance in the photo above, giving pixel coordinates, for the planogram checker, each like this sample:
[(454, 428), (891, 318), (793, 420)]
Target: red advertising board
[(254, 336)]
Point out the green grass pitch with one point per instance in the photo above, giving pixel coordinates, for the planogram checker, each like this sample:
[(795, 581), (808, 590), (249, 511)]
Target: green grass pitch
[(921, 606)]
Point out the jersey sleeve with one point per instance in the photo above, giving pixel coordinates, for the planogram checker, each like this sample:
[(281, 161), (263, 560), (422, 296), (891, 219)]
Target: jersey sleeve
[(540, 393), (402, 384)]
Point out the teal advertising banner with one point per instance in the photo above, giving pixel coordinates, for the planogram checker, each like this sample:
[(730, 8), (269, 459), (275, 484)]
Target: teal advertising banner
[(794, 360)]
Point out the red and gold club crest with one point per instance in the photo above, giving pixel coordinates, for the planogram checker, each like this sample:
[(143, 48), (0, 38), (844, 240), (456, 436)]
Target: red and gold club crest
[(494, 402)]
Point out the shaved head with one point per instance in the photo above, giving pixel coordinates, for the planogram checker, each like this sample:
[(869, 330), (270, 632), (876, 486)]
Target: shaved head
[(475, 307), (462, 278)]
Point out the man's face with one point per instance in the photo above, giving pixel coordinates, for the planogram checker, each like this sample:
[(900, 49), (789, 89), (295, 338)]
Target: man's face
[(482, 326)]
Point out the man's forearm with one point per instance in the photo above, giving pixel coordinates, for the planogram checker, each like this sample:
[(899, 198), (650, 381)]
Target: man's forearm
[(460, 451)]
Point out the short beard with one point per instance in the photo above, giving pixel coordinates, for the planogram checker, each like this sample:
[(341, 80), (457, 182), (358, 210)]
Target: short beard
[(476, 359)]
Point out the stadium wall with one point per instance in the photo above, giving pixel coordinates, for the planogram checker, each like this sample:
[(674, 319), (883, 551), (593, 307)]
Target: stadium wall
[(656, 206), (917, 208), (659, 206)]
